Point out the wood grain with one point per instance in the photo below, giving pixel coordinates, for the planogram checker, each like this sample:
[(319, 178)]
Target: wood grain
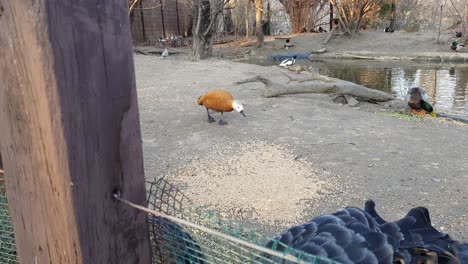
[(70, 132)]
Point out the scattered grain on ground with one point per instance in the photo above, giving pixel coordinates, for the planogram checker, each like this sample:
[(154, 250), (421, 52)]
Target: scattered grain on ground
[(253, 179)]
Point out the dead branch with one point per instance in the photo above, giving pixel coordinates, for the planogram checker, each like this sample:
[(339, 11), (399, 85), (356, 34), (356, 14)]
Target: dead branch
[(320, 84)]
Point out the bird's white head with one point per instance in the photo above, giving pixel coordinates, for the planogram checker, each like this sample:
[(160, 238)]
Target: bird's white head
[(238, 107)]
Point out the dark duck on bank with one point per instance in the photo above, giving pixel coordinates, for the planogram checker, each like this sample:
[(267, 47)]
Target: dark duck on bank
[(418, 100)]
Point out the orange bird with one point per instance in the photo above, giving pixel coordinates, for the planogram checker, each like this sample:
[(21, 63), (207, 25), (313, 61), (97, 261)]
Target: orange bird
[(219, 101)]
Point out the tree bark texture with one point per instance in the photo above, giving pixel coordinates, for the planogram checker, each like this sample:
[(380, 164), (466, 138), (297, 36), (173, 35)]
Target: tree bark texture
[(205, 19), (299, 13), (70, 132), (258, 22), (320, 84)]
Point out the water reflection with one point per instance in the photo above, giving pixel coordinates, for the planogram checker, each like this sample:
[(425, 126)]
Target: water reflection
[(446, 85)]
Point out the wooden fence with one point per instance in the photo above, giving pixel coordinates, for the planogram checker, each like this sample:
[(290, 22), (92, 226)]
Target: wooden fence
[(152, 20)]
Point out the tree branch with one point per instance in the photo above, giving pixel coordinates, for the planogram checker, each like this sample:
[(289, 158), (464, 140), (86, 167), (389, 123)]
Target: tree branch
[(321, 85)]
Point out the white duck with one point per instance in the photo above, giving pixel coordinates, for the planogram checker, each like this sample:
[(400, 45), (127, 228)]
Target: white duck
[(165, 53), (288, 62)]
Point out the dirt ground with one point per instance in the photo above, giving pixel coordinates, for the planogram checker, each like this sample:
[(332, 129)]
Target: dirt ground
[(295, 157)]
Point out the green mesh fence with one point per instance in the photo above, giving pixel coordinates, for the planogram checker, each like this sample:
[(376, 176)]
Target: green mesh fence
[(7, 239), (173, 243)]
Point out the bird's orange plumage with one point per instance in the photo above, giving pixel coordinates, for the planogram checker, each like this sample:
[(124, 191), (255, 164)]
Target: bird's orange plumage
[(220, 101)]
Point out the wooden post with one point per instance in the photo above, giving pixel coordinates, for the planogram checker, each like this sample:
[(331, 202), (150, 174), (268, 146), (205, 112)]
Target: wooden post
[(392, 16), (162, 19), (143, 29), (331, 16), (258, 22), (177, 16), (440, 24), (70, 132)]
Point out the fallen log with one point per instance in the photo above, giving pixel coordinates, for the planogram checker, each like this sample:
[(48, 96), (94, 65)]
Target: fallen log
[(318, 84)]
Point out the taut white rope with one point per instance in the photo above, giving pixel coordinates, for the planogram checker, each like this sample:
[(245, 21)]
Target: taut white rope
[(211, 231)]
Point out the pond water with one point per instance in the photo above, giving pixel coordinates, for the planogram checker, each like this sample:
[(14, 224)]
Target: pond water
[(446, 84)]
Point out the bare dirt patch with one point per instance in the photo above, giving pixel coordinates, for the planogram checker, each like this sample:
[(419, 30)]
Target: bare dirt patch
[(253, 180)]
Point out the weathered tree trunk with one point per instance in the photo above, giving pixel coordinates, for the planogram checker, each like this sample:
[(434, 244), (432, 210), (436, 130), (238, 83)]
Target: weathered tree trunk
[(267, 25), (320, 84), (258, 22), (465, 27), (392, 15), (199, 46), (350, 13), (299, 13), (204, 26), (70, 132), (228, 24)]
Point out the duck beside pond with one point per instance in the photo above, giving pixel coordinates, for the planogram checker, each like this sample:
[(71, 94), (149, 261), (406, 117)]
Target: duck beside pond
[(417, 99), (457, 46), (288, 62)]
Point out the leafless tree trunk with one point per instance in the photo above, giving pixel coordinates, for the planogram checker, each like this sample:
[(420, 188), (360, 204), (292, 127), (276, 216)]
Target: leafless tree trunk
[(392, 15), (299, 12), (460, 9), (247, 7), (317, 14), (351, 13), (205, 19), (258, 22), (440, 24)]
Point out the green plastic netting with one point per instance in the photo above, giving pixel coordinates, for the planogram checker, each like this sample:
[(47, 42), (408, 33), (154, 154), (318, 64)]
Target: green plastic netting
[(7, 238), (173, 243)]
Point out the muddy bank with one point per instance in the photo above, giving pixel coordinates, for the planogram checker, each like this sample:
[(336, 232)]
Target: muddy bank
[(417, 46), (441, 57)]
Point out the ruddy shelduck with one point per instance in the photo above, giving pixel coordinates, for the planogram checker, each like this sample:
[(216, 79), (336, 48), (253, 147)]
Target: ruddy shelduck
[(219, 101)]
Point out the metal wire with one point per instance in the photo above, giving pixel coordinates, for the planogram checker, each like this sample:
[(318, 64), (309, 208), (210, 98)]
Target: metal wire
[(182, 234), (7, 238), (210, 231)]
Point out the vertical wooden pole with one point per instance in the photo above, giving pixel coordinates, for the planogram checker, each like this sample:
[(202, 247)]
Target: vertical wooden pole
[(268, 20), (143, 29), (331, 16), (70, 132), (440, 24), (162, 18), (392, 16), (177, 16), (258, 22), (2, 181)]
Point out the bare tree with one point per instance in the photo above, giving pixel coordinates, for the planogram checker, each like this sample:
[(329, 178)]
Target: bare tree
[(258, 22), (460, 9), (299, 12), (317, 14), (205, 18), (243, 17), (351, 13)]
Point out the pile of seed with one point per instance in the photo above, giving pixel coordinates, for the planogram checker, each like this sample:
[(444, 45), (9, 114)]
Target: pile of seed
[(253, 180)]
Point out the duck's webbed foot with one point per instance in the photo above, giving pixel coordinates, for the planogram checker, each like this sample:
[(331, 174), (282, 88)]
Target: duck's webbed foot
[(210, 118)]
